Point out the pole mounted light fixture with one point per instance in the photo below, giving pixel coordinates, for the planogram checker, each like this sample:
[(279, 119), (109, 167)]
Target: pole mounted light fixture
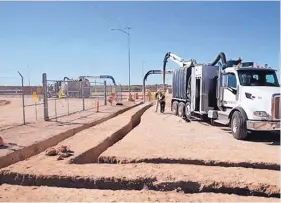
[(129, 51)]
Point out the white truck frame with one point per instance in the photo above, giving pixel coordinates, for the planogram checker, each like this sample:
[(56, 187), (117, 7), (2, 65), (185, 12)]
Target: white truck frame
[(243, 105)]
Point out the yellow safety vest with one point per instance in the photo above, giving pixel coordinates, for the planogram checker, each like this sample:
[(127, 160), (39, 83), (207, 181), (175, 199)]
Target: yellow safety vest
[(159, 97)]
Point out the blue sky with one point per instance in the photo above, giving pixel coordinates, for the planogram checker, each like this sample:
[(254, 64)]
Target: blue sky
[(74, 38)]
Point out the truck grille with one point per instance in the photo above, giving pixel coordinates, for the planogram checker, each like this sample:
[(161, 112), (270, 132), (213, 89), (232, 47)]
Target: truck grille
[(275, 111)]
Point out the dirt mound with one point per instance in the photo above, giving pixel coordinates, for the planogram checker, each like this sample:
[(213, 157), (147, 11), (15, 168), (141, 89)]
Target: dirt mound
[(4, 102)]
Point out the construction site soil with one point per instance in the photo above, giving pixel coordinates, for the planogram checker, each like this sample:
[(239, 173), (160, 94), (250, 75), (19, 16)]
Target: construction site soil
[(24, 141), (14, 193), (4, 102), (176, 141), (141, 155)]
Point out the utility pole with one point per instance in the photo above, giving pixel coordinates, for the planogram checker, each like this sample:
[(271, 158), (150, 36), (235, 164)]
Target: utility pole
[(129, 57), (129, 51)]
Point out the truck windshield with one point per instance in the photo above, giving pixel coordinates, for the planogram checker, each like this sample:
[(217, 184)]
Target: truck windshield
[(258, 78)]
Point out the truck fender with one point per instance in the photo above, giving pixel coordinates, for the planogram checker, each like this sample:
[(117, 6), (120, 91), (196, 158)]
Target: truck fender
[(240, 109)]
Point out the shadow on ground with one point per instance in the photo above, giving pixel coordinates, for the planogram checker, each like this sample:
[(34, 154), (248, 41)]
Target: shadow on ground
[(269, 138)]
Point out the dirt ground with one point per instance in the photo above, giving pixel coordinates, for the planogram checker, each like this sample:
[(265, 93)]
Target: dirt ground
[(162, 159), (12, 112), (4, 102), (22, 141), (53, 194), (176, 141)]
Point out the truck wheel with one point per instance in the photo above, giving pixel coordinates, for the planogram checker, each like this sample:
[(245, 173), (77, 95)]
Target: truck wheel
[(181, 110), (187, 111), (175, 108), (238, 126)]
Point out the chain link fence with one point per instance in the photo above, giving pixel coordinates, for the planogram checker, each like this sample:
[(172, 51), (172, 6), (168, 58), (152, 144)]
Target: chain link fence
[(21, 103), (17, 104), (68, 96)]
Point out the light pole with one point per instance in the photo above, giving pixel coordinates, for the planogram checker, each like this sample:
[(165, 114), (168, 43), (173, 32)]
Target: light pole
[(129, 52)]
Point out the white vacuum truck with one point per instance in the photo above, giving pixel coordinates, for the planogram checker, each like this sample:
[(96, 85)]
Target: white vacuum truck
[(234, 93)]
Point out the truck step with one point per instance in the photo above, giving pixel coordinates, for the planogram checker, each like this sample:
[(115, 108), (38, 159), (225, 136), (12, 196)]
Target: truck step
[(223, 122)]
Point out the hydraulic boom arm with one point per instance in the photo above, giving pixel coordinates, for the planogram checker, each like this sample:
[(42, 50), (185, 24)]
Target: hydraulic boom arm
[(181, 62)]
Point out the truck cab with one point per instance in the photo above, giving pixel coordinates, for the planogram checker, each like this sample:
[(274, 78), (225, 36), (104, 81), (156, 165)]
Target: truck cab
[(234, 93), (250, 98)]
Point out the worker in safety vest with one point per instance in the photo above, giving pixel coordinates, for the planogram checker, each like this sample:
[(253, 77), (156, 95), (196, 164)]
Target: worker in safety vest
[(162, 101), (149, 95)]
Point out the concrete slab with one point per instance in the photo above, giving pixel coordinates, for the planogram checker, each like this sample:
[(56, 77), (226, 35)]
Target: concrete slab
[(12, 193), (165, 138), (24, 141)]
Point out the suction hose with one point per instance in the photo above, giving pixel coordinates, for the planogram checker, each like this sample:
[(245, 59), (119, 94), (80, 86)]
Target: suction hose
[(66, 78), (221, 57), (167, 55)]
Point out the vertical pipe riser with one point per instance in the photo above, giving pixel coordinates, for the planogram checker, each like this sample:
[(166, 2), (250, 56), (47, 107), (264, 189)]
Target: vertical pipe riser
[(83, 99), (105, 95), (45, 98), (23, 104)]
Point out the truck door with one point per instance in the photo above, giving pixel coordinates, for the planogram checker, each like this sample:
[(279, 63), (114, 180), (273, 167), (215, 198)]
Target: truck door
[(230, 90)]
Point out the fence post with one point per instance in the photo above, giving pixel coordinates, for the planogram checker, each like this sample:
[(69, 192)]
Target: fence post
[(23, 105), (105, 95), (120, 92), (83, 99), (45, 98)]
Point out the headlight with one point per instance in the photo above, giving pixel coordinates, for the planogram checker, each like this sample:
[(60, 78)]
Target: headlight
[(260, 113)]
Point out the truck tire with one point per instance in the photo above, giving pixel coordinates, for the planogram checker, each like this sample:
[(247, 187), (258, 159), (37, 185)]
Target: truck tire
[(181, 110), (238, 126), (187, 112), (175, 108)]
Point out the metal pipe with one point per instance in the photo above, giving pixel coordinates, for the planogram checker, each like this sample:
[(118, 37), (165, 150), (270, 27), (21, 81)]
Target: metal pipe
[(23, 106), (83, 99), (56, 115), (149, 73), (220, 56), (45, 98), (120, 92), (105, 92)]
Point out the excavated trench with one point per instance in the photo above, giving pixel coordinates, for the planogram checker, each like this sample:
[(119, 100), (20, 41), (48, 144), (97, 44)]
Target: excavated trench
[(38, 147), (261, 190), (119, 132), (137, 183), (255, 165)]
